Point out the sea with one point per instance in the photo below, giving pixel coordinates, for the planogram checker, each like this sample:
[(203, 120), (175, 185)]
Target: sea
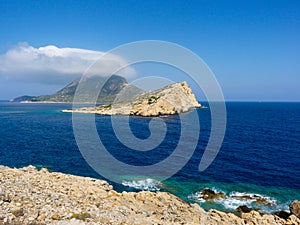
[(258, 164)]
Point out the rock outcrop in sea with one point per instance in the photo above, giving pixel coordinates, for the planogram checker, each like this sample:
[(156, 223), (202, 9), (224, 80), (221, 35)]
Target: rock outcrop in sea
[(29, 196), (173, 99)]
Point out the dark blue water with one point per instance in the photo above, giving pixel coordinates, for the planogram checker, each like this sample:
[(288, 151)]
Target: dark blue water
[(260, 154)]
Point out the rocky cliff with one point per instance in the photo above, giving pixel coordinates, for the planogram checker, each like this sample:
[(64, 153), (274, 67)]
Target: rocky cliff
[(173, 99), (29, 196)]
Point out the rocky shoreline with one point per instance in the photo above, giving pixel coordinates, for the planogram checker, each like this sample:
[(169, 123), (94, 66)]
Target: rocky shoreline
[(38, 197)]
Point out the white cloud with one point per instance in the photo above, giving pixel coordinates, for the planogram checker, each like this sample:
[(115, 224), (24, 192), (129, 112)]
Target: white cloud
[(51, 64)]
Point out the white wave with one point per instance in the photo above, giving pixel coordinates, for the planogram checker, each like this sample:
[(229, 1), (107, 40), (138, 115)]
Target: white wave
[(236, 199), (196, 196), (267, 204), (254, 197), (145, 184), (233, 203)]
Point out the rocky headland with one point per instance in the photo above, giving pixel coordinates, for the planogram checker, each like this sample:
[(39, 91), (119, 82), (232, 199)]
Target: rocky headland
[(29, 196), (173, 99)]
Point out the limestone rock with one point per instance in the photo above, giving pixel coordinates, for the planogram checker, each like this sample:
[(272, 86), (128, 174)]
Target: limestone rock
[(43, 197), (173, 99), (292, 220), (295, 208)]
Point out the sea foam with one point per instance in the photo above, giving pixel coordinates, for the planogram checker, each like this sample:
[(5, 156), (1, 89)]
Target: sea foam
[(144, 184), (235, 199)]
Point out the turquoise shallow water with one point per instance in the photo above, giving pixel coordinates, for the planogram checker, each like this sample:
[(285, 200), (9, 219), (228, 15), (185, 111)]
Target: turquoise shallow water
[(260, 155), (276, 198)]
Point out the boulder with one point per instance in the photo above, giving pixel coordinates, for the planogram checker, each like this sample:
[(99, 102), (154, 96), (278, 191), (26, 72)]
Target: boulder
[(242, 209), (211, 195), (282, 214), (295, 208)]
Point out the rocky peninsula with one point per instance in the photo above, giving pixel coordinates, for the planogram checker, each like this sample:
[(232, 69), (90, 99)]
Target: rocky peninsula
[(173, 99), (40, 197)]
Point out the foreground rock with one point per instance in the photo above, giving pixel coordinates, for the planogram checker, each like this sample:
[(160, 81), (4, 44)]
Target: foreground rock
[(28, 196), (173, 99), (295, 208)]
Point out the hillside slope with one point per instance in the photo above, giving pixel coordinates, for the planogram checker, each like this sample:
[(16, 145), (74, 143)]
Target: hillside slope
[(88, 88)]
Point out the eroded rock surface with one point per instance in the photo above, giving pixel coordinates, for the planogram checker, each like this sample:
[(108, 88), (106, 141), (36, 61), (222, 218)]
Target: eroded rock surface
[(295, 208), (29, 196)]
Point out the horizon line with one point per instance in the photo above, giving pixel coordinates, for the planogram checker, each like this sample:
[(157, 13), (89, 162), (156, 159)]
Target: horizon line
[(231, 100)]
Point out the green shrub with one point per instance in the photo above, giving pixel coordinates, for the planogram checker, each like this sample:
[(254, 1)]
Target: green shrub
[(152, 100), (107, 106), (18, 212), (80, 216)]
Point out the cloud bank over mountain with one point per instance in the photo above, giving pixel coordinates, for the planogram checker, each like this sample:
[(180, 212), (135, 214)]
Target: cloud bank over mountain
[(54, 65)]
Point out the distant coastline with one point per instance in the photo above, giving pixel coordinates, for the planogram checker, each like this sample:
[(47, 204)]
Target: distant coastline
[(44, 102), (202, 101)]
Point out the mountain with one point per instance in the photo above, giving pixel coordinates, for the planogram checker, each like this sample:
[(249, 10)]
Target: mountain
[(23, 98), (172, 99), (87, 89)]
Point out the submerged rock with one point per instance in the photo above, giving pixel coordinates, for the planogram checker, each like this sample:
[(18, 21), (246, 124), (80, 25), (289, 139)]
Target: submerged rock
[(211, 195), (255, 198)]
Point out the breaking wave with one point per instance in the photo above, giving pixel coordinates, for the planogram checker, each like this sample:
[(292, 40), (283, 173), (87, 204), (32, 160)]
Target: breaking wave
[(233, 200), (144, 184)]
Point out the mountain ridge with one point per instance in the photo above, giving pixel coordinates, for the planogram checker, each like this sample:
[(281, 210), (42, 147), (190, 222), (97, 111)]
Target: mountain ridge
[(89, 88)]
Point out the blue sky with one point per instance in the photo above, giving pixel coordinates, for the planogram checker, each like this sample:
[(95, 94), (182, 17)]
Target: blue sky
[(253, 47)]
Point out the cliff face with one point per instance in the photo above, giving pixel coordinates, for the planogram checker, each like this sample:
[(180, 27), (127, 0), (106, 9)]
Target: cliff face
[(28, 196), (173, 99)]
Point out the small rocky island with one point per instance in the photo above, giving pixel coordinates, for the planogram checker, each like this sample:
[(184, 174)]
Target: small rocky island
[(173, 99), (39, 197)]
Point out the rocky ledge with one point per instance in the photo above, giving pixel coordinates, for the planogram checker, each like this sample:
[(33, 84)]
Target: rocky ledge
[(29, 196), (173, 99)]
